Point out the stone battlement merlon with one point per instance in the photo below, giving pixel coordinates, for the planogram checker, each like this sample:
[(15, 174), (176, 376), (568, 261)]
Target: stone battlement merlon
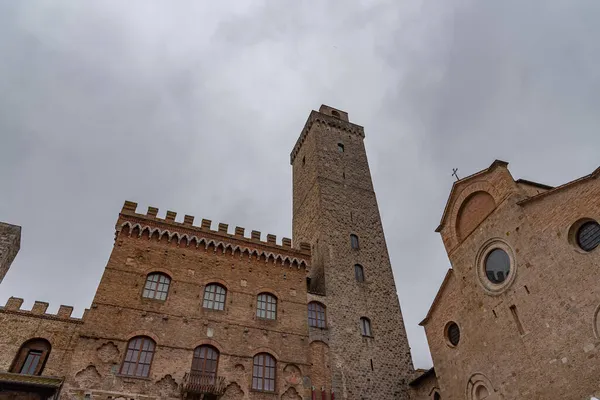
[(328, 116), (129, 216), (13, 305)]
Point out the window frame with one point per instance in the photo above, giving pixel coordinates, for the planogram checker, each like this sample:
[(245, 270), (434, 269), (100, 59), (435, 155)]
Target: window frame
[(203, 361), (205, 301), (361, 275), (364, 324), (155, 291), (266, 302), (37, 345), (354, 241), (320, 315), (452, 325), (263, 369), (139, 349), (578, 240)]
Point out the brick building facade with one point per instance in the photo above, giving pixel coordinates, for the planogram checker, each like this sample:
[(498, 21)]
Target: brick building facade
[(517, 316), (185, 311)]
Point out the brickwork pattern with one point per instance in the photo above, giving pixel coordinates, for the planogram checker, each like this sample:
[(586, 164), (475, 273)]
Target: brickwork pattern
[(333, 198), (550, 348)]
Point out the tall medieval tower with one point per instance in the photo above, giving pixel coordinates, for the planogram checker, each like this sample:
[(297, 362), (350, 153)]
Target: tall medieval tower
[(335, 210)]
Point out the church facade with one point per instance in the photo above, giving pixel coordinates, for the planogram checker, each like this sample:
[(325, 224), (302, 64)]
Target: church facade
[(184, 310), (517, 315)]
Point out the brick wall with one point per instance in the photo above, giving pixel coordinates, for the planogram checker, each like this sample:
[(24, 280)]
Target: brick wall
[(551, 350)]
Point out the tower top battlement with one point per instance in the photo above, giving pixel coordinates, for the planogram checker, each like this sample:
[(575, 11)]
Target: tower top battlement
[(328, 116)]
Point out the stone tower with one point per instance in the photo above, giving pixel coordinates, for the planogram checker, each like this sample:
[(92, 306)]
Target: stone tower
[(333, 198), (10, 243)]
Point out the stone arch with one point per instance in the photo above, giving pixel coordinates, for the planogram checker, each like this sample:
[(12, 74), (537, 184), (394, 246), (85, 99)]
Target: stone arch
[(473, 210), (291, 394), (459, 198), (233, 392), (162, 270), (142, 332), (265, 350), (209, 342), (479, 387)]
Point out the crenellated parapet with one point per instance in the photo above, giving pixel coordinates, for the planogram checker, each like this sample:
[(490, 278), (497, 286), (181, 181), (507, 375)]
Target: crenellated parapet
[(186, 234), (13, 306), (325, 117)]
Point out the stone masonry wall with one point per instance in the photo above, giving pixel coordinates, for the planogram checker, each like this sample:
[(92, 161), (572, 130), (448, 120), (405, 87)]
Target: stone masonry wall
[(333, 198), (538, 339), (180, 324), (18, 326), (10, 243)]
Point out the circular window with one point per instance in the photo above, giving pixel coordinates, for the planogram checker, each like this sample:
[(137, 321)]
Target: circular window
[(588, 236), (497, 266), (453, 334)]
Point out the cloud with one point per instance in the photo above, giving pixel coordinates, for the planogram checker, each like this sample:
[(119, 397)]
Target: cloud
[(195, 107)]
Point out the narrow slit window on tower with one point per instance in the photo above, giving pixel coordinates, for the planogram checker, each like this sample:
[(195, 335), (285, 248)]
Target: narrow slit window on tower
[(303, 160), (359, 273), (340, 147), (513, 311), (365, 327), (354, 241)]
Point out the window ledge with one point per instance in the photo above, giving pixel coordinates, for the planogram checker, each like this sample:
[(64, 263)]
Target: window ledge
[(267, 320), (139, 378), (264, 392), (150, 300)]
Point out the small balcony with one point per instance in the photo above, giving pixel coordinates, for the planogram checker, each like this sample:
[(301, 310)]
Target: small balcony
[(202, 385)]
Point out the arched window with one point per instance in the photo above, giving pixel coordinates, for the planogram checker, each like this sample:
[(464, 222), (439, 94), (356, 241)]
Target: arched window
[(214, 297), (340, 147), (365, 327), (263, 373), (316, 315), (138, 358), (204, 364), (359, 273), (31, 357), (436, 396), (157, 286), (354, 241), (266, 306)]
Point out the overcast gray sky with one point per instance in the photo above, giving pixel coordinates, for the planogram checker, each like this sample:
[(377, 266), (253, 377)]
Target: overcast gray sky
[(195, 106)]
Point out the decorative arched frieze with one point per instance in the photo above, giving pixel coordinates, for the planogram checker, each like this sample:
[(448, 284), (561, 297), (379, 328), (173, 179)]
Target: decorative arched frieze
[(185, 240)]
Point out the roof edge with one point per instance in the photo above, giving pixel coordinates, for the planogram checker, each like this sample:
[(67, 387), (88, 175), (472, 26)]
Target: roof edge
[(593, 175), (437, 296), (496, 163), (429, 372)]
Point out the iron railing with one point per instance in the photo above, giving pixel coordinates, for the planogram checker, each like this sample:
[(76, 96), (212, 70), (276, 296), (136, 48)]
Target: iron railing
[(202, 383)]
